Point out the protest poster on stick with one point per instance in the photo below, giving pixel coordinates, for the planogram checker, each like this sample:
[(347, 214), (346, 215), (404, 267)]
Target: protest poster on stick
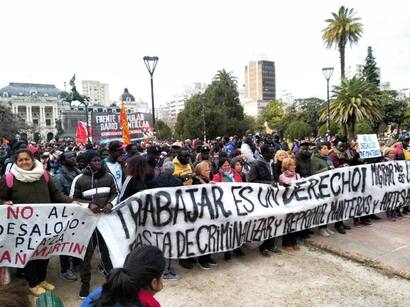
[(196, 220), (369, 146), (39, 231)]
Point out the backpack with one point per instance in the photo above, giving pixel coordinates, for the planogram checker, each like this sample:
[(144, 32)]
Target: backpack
[(10, 179)]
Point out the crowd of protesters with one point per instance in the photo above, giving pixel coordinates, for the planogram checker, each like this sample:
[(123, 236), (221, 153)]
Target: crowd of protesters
[(102, 176)]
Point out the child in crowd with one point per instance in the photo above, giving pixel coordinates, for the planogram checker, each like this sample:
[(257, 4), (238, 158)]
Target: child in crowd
[(135, 284), (287, 177)]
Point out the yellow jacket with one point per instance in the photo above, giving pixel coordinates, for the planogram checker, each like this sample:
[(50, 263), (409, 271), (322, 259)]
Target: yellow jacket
[(182, 170)]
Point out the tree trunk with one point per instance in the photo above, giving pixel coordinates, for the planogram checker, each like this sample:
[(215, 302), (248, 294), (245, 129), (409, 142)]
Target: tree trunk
[(342, 60), (344, 127), (351, 131)]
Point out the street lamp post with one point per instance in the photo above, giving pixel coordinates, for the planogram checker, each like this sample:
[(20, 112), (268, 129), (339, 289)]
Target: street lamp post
[(327, 72), (203, 119), (151, 63)]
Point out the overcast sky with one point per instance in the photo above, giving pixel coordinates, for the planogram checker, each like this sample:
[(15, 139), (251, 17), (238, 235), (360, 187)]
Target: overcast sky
[(48, 41)]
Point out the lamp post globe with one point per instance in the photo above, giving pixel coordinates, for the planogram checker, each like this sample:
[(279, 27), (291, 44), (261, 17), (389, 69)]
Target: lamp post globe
[(151, 64), (327, 72)]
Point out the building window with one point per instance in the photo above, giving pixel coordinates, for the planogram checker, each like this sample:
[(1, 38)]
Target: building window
[(48, 122), (48, 111), (35, 112), (35, 122)]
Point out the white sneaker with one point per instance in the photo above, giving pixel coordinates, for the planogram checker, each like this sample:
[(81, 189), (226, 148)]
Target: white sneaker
[(330, 231), (323, 232)]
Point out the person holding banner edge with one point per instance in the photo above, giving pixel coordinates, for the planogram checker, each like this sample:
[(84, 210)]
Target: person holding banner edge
[(29, 183), (97, 187)]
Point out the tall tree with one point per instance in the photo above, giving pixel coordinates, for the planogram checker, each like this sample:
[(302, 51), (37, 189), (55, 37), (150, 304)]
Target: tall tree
[(343, 28), (163, 130), (370, 70), (273, 114), (353, 100), (11, 124), (217, 111), (309, 111)]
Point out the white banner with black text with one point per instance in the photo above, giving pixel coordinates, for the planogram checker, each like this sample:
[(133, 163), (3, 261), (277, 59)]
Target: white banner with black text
[(39, 231), (196, 220)]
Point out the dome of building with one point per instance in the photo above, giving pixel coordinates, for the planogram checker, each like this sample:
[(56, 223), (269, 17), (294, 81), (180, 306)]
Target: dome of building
[(127, 97)]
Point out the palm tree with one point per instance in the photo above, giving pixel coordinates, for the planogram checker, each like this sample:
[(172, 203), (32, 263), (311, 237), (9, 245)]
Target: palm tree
[(353, 100), (227, 78), (343, 28)]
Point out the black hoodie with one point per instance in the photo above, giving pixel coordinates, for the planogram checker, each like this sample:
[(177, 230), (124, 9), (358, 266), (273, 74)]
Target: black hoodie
[(98, 188)]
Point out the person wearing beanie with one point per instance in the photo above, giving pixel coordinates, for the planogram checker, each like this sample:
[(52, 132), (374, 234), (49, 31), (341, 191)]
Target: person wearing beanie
[(96, 187)]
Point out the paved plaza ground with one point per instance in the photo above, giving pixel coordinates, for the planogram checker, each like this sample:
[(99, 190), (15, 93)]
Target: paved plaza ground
[(310, 277)]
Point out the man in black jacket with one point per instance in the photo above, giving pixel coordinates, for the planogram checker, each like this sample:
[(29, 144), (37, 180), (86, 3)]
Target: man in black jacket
[(262, 172), (95, 186)]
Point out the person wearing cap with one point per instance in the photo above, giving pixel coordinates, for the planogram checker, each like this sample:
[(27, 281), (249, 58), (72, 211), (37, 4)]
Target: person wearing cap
[(95, 186), (183, 169), (113, 162), (175, 149), (203, 155)]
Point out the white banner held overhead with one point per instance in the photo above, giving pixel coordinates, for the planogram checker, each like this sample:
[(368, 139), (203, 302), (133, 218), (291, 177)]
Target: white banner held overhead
[(196, 220), (39, 231)]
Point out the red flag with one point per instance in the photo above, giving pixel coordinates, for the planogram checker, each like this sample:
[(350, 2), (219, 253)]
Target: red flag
[(81, 135), (124, 124)]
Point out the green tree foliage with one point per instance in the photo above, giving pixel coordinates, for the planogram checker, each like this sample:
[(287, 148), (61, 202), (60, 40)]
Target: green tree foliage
[(364, 127), (354, 100), (163, 130), (219, 106), (309, 110), (370, 70), (334, 129), (406, 121), (11, 124), (273, 114), (393, 110), (343, 28), (298, 130)]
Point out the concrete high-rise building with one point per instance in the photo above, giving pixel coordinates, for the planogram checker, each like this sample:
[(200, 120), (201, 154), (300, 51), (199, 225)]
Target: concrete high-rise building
[(98, 92), (177, 104), (260, 85)]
